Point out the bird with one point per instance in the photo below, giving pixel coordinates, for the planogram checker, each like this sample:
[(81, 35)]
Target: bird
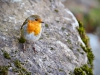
[(31, 30)]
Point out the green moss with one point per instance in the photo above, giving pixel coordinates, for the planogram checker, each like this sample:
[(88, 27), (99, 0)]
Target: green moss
[(87, 68), (86, 48), (63, 28), (6, 55), (51, 48), (78, 50), (57, 21), (17, 63), (21, 40), (69, 41), (56, 10), (61, 70), (20, 68), (46, 25), (3, 70), (79, 71), (84, 70), (46, 73)]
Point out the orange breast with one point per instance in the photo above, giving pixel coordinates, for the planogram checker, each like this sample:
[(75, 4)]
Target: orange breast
[(34, 26)]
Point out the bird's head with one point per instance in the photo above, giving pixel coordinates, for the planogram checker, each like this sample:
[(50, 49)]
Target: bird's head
[(34, 24), (35, 18)]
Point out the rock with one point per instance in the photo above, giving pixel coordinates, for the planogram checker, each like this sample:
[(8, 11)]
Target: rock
[(59, 50)]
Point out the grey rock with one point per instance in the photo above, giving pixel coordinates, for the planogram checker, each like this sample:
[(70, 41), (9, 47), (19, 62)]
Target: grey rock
[(57, 47)]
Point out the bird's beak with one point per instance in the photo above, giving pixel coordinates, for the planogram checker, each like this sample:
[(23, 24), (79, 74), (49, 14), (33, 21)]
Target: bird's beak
[(42, 22)]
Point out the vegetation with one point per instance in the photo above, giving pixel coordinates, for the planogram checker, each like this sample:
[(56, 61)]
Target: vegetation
[(21, 40), (6, 55), (86, 69), (63, 28), (56, 10), (3, 70), (87, 49), (79, 71), (19, 68), (46, 25)]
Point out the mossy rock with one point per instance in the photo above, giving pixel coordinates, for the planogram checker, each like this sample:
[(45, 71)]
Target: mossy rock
[(3, 70)]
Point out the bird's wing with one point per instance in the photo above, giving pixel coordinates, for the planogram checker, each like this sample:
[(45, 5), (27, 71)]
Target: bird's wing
[(25, 22)]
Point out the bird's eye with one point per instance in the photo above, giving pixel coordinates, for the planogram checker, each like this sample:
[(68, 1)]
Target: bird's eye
[(36, 19)]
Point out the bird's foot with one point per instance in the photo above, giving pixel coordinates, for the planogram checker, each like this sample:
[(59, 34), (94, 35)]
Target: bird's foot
[(34, 50), (24, 48)]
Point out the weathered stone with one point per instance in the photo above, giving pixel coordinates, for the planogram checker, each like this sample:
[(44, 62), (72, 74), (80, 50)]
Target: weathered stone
[(58, 46)]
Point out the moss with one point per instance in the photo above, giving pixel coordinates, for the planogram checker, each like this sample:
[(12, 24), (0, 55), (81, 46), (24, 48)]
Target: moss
[(21, 40), (90, 58), (86, 48), (61, 70), (46, 73), (86, 69), (78, 50), (56, 10), (63, 28), (51, 48), (79, 71), (3, 70), (57, 21), (69, 41), (46, 25), (20, 68), (6, 55), (17, 63)]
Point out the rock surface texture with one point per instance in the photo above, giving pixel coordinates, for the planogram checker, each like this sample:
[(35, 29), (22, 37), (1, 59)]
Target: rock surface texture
[(59, 50)]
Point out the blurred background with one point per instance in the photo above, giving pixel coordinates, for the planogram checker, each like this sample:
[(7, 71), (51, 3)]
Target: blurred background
[(88, 12)]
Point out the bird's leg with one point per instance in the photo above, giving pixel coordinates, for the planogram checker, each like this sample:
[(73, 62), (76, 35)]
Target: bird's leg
[(33, 47), (24, 48)]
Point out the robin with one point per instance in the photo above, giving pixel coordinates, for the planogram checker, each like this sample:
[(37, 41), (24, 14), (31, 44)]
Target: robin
[(31, 30)]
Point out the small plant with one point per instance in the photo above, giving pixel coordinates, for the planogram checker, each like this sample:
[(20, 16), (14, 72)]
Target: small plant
[(20, 68), (17, 63), (56, 10), (87, 69), (57, 21), (51, 48), (86, 48), (79, 71), (61, 70), (6, 55), (21, 40), (78, 50), (84, 70), (3, 70), (46, 25), (63, 28), (69, 41)]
